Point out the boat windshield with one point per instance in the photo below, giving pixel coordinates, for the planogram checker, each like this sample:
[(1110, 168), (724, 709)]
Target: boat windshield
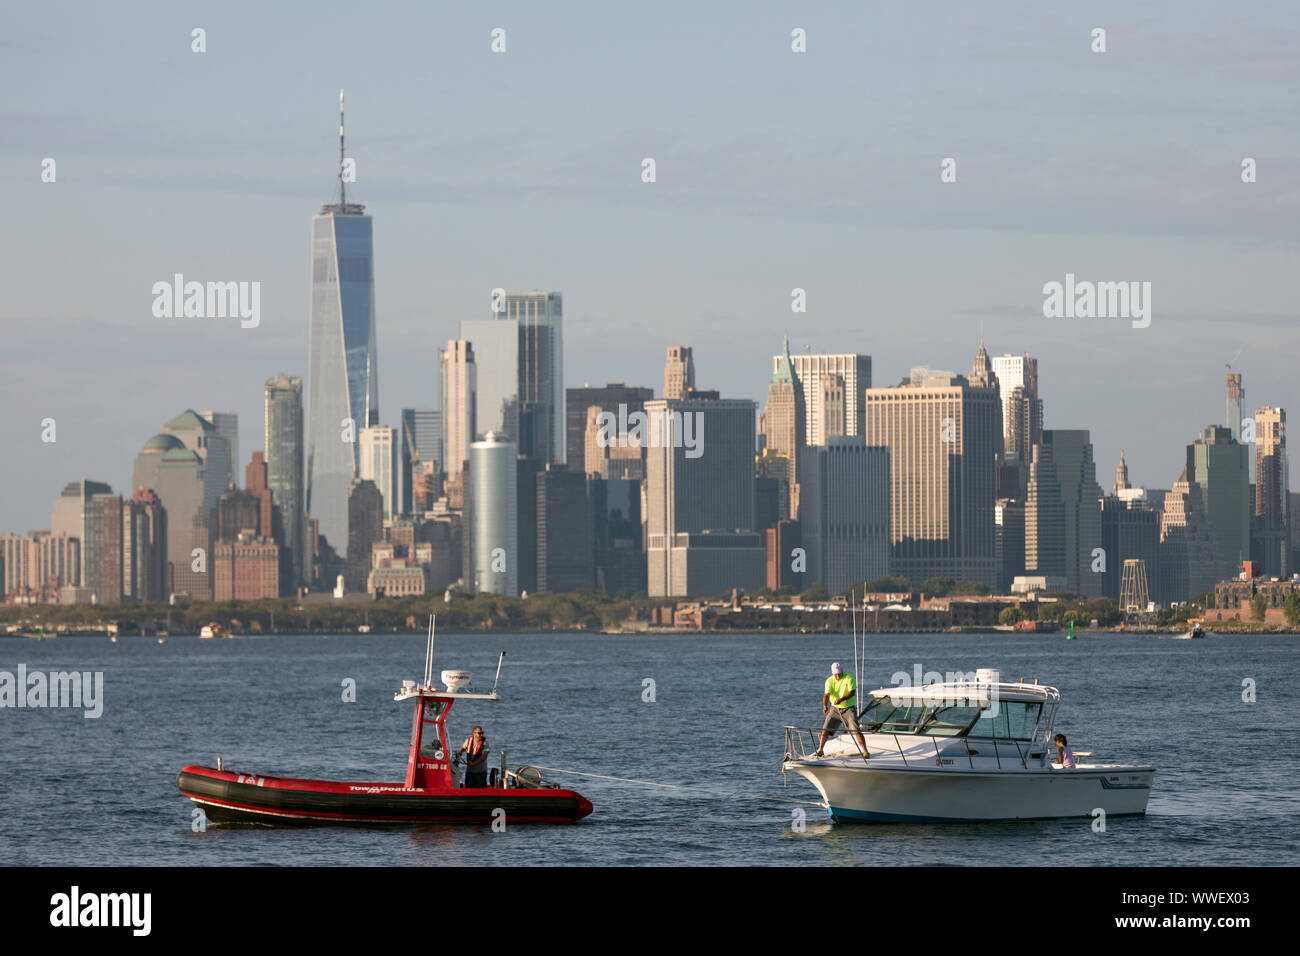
[(1006, 720)]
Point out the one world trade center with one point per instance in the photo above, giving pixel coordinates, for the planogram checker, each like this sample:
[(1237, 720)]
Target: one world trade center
[(342, 361)]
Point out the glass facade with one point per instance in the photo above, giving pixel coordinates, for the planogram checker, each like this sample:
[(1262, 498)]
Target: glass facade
[(342, 365), (520, 358), (496, 364), (284, 464)]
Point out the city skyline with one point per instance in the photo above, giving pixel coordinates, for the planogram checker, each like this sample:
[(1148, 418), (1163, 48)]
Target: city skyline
[(1217, 250)]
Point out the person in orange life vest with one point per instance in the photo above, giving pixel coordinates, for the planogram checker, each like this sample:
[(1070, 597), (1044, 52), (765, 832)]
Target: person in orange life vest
[(475, 749)]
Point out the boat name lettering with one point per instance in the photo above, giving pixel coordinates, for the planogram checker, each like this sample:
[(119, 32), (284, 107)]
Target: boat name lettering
[(252, 779), (385, 789)]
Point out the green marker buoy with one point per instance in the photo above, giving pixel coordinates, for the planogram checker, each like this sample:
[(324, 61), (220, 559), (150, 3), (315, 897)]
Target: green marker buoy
[(1070, 635)]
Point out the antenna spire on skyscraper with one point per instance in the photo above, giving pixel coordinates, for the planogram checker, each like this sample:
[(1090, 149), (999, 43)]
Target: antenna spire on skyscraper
[(343, 190)]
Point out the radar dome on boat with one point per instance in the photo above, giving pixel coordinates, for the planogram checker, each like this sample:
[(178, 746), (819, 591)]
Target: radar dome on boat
[(456, 681), (987, 675)]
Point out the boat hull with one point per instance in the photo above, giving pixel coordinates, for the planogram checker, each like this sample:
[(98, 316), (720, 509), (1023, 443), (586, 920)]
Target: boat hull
[(854, 793), (227, 797)]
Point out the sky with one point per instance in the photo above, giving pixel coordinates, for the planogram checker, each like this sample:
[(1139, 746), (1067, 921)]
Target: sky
[(775, 170)]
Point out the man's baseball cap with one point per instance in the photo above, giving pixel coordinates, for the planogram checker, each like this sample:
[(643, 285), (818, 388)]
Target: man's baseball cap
[(835, 668)]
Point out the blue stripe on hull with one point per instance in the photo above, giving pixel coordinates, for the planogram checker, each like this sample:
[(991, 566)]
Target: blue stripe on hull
[(843, 815)]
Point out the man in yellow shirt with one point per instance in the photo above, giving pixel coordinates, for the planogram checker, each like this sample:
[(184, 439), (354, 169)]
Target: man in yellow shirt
[(840, 705)]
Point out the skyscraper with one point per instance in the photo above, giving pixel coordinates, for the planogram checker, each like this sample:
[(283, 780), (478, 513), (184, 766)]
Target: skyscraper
[(421, 442), (1022, 415), (69, 517), (459, 383), (1221, 467), (844, 513), (1187, 545), (284, 471), (176, 475), (365, 527), (379, 463), (1272, 501), (1236, 397), (577, 403), (700, 498), (785, 423), (227, 426), (566, 533), (201, 437), (519, 353), (846, 397), (785, 427), (1076, 474), (679, 372), (1045, 545), (942, 436), (342, 359), (494, 549)]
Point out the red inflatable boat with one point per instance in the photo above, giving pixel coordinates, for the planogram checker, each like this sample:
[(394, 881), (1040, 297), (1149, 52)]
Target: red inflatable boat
[(428, 794)]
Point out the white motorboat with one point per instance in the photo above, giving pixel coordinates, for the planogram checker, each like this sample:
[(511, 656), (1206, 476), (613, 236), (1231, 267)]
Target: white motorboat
[(959, 752), (1196, 631)]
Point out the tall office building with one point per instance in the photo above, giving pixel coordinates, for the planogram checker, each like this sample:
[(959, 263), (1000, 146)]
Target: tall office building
[(201, 437), (380, 464), (615, 398), (519, 354), (1045, 545), (1187, 545), (421, 443), (1130, 531), (459, 383), (679, 372), (1236, 398), (103, 542), (365, 527), (700, 498), (1022, 415), (144, 543), (785, 420), (1272, 500), (494, 508), (68, 517), (1220, 465), (283, 434), (176, 475), (342, 358), (1076, 475), (942, 436), (620, 557), (1009, 532), (816, 372), (609, 452), (844, 513), (227, 427), (566, 532)]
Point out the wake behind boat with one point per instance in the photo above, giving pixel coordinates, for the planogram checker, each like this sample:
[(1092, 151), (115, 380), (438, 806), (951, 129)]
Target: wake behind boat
[(960, 752), (430, 791)]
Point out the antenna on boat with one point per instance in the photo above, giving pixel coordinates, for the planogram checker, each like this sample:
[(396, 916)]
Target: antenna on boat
[(498, 677), (853, 617), (428, 654)]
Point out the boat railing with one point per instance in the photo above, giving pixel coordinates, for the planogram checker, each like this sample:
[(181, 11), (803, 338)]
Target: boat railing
[(801, 743)]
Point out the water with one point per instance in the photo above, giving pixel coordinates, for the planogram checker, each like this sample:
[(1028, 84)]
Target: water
[(75, 791)]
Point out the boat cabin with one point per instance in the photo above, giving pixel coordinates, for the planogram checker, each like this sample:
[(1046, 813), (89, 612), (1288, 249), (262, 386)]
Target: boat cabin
[(1017, 712), (429, 760)]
